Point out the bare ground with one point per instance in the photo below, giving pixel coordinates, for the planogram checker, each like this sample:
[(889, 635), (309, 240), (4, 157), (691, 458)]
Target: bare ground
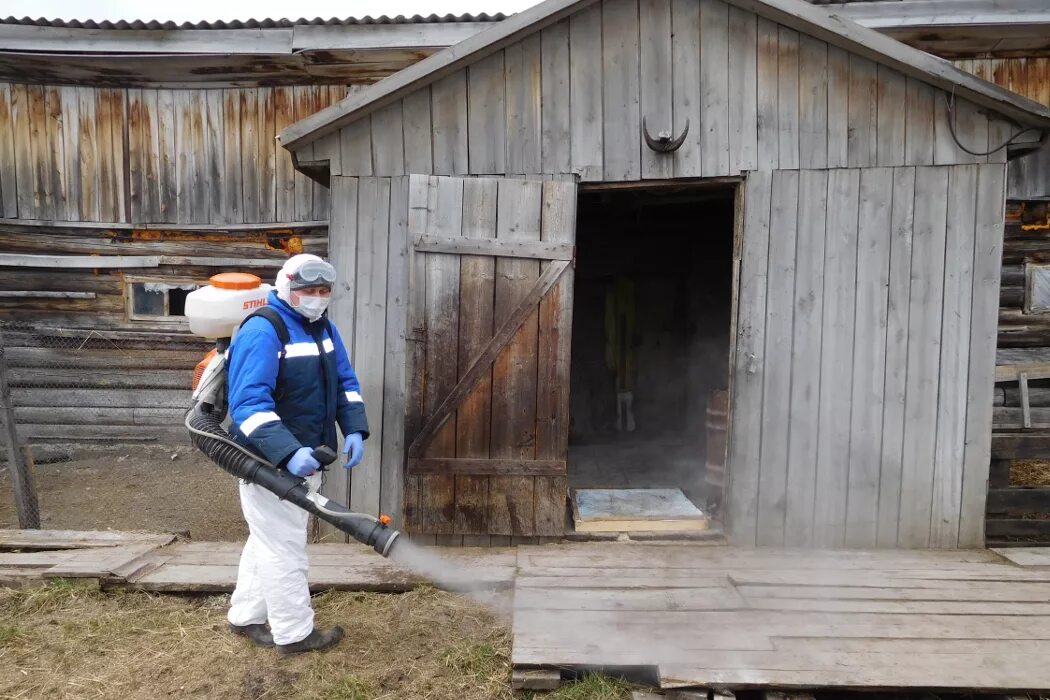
[(167, 489)]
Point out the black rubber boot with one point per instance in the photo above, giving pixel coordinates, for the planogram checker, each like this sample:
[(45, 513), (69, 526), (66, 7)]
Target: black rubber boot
[(315, 641), (258, 633)]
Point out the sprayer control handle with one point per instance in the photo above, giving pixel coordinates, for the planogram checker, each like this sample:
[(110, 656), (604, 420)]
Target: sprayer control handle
[(324, 454)]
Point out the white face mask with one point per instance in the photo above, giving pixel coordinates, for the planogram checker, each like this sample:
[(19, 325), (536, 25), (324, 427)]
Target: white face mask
[(311, 306)]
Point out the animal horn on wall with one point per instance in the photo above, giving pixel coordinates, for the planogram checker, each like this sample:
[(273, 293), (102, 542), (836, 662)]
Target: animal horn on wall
[(663, 143)]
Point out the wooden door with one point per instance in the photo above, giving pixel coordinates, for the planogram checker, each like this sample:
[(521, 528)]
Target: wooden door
[(489, 325)]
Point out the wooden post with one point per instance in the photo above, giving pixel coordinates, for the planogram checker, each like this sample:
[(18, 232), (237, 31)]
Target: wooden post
[(21, 477)]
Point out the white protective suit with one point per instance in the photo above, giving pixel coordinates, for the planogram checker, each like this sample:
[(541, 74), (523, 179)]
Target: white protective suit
[(271, 579)]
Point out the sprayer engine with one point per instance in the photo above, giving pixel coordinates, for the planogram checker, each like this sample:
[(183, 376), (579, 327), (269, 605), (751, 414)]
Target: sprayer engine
[(216, 311)]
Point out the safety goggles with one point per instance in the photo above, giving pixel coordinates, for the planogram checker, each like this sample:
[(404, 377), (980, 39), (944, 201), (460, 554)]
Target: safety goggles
[(312, 273)]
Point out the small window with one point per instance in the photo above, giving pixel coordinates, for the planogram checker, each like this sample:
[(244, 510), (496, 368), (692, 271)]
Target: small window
[(153, 300), (1036, 289)]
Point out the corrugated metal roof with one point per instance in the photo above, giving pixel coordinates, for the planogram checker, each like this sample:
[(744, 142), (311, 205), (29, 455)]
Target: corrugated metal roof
[(254, 23)]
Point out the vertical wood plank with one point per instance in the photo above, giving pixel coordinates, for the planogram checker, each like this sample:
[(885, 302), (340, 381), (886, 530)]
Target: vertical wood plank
[(749, 361), (110, 154), (556, 146), (445, 218), (70, 150), (838, 107), (620, 90), (167, 182), (342, 253), (714, 87), (395, 381), (487, 112), (897, 324), (523, 70), (417, 132), (558, 225), (370, 310), (8, 164), (511, 498), (804, 412), (41, 182), (585, 93), (449, 114), (836, 358), (304, 186), (152, 158), (788, 99), (476, 326), (54, 155), (924, 346), (138, 140), (893, 97), (813, 103), (776, 405), (190, 142), (656, 100), (233, 194), (251, 207), (918, 123), (266, 143), (743, 93), (863, 142), (768, 101), (415, 351), (388, 141), (869, 356), (955, 357), (355, 147), (214, 165), (988, 234), (21, 119), (88, 155), (945, 152), (284, 168)]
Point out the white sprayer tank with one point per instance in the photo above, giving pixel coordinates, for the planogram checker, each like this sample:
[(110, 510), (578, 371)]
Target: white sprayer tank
[(215, 311)]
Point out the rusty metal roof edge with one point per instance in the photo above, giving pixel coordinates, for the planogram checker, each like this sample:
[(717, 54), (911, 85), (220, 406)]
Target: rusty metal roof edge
[(266, 23)]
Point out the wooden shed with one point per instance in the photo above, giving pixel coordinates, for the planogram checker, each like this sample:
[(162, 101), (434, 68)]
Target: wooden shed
[(824, 245)]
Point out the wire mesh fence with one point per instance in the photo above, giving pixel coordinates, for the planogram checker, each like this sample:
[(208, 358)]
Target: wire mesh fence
[(98, 416)]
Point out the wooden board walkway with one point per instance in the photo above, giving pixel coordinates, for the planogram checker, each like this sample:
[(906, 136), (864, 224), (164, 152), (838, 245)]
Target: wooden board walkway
[(151, 562), (734, 618)]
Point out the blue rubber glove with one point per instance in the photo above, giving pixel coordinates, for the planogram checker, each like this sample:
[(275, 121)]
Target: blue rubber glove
[(354, 447), (303, 463)]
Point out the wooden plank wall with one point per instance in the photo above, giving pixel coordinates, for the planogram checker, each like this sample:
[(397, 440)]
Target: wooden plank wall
[(757, 96), (897, 318), (1029, 177), (155, 155)]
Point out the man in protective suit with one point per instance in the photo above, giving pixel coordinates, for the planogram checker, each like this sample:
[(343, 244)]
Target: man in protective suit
[(285, 401)]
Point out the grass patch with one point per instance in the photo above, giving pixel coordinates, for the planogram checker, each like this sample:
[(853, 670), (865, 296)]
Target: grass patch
[(348, 688), (593, 687), (10, 634)]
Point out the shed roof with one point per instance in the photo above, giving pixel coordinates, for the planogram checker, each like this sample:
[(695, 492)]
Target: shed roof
[(796, 14), (265, 23)]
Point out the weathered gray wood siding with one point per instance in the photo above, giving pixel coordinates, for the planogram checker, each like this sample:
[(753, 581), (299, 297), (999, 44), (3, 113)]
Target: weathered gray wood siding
[(115, 155), (870, 242), (866, 330), (571, 99), (369, 246)]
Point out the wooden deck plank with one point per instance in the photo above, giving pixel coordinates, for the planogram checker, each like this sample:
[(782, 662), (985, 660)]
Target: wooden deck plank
[(75, 539), (757, 618)]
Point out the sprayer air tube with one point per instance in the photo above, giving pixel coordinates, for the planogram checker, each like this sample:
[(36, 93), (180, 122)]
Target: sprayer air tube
[(207, 435)]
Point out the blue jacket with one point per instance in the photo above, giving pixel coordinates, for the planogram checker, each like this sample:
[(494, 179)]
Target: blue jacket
[(313, 394)]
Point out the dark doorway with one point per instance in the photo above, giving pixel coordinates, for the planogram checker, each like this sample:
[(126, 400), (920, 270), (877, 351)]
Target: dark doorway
[(651, 337)]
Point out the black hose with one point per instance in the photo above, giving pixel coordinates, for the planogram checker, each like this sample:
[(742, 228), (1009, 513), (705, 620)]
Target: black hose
[(208, 436)]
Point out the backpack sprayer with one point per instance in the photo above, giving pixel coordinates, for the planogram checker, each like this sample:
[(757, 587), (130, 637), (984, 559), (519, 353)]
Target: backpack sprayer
[(216, 311)]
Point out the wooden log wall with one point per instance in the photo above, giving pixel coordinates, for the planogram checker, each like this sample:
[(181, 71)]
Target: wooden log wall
[(155, 155), (1029, 176), (572, 97), (54, 293)]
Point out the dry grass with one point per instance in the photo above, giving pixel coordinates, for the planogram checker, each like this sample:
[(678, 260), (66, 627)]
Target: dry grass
[(1030, 472), (67, 640)]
